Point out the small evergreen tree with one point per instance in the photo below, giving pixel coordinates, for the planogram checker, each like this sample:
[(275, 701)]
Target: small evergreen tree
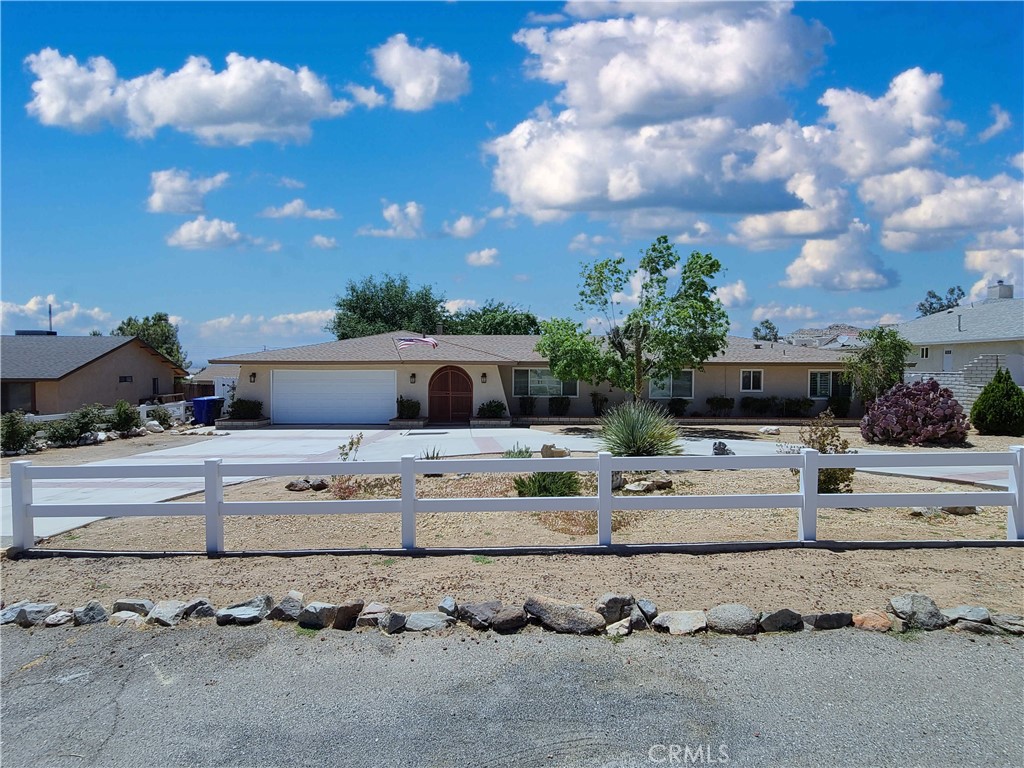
[(999, 409)]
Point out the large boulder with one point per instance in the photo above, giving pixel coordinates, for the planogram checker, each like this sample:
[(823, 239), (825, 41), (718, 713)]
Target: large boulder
[(31, 614), (318, 615), (92, 612), (967, 613), (166, 613), (509, 619), (250, 612), (9, 614), (564, 617), (732, 619), (918, 611), (479, 615), (424, 621), (348, 613), (391, 622), (288, 607)]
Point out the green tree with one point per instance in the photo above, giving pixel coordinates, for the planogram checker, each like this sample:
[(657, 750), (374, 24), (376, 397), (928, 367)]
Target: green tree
[(999, 409), (879, 364), (494, 318), (667, 331), (159, 332), (934, 303), (766, 330), (386, 304)]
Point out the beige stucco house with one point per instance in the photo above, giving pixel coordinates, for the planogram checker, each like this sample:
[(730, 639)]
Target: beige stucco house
[(357, 381)]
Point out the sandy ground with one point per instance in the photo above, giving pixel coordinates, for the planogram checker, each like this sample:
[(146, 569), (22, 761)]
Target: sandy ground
[(802, 579)]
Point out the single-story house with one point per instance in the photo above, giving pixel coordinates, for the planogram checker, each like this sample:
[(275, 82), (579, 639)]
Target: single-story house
[(357, 381), (43, 373)]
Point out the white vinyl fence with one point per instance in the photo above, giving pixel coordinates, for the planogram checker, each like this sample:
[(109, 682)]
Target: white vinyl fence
[(181, 410), (806, 501)]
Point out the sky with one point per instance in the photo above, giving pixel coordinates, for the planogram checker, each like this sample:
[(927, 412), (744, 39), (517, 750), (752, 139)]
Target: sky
[(235, 165)]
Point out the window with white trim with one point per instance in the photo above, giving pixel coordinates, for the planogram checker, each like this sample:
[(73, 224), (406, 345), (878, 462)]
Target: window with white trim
[(539, 382), (752, 380), (679, 386), (924, 353), (824, 384)]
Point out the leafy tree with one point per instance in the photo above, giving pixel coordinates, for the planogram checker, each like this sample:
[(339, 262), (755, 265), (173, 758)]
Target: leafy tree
[(669, 330), (879, 364), (934, 303), (159, 332), (766, 331), (495, 318), (386, 304)]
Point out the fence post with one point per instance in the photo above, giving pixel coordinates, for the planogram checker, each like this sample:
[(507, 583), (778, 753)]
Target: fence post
[(22, 528), (807, 525), (1015, 512), (604, 498), (408, 501), (214, 488)]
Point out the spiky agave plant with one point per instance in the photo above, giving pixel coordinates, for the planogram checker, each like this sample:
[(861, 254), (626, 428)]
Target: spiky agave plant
[(639, 428)]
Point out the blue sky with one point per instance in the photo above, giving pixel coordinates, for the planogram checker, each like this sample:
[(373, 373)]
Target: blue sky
[(235, 165)]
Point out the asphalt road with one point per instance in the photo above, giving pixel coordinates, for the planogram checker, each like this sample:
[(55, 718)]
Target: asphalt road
[(271, 696)]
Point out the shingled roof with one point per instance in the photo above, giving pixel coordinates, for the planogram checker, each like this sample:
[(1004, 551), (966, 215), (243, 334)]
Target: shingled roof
[(49, 358), (991, 320)]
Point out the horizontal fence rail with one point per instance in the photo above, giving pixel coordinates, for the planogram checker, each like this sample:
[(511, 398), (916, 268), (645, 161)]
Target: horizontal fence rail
[(179, 409), (806, 501)]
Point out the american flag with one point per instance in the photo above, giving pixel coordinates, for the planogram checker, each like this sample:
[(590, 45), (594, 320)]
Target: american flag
[(406, 343)]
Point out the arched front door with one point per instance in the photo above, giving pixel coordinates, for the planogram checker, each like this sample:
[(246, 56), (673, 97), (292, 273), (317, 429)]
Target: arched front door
[(451, 396)]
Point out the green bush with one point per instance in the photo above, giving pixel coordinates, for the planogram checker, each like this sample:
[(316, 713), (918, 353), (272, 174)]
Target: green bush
[(88, 418), (720, 405), (62, 432), (558, 406), (126, 417), (839, 405), (999, 409), (245, 410), (518, 452), (823, 436), (639, 428), (492, 409), (162, 416), (758, 406), (527, 405), (16, 432), (548, 484), (793, 406), (598, 401), (408, 407), (677, 407)]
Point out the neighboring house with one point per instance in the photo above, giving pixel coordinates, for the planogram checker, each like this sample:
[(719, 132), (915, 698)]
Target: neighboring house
[(357, 381), (44, 373), (835, 336), (212, 381), (963, 347)]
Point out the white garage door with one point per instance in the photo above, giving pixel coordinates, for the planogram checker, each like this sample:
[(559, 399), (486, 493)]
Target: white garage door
[(333, 397)]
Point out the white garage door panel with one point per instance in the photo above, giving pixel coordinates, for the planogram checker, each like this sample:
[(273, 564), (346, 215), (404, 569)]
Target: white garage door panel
[(333, 397)]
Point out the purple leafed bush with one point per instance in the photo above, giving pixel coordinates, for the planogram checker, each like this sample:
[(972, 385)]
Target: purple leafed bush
[(918, 413)]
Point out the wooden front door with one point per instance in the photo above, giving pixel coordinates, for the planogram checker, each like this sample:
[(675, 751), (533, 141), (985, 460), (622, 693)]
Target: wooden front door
[(451, 396)]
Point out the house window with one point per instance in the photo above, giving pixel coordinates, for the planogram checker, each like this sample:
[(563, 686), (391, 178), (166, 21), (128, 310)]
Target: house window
[(924, 353), (680, 385), (751, 381), (539, 382), (825, 384), (124, 379)]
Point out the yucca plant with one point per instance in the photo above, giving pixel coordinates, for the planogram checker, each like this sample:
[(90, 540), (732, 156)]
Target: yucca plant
[(639, 428), (518, 451), (548, 484)]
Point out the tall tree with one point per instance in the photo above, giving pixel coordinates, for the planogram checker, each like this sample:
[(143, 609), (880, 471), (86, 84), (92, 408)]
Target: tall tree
[(159, 332), (766, 330), (494, 318), (668, 330), (934, 303), (386, 304), (879, 364)]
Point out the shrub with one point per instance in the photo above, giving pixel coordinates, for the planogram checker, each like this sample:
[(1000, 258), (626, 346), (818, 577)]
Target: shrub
[(598, 401), (492, 409), (518, 452), (244, 410), (350, 449), (408, 407), (999, 409), (639, 428), (548, 484), (839, 405), (88, 418), (823, 436), (162, 416), (62, 432), (125, 417), (720, 405), (918, 413), (16, 432), (677, 407), (757, 406), (527, 405), (342, 487), (558, 406), (794, 406)]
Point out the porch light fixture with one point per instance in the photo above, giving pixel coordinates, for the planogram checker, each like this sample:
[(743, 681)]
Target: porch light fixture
[(412, 378), (252, 377), (483, 378)]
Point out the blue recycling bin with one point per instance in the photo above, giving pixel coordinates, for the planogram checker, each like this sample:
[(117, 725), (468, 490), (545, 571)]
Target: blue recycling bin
[(206, 410)]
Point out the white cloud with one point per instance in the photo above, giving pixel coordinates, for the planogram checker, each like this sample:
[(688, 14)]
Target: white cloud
[(997, 255), (1017, 161), (844, 263), (202, 233), (174, 191), (419, 78), (291, 183), (631, 296), (246, 327), (454, 305), (588, 243), (465, 226), (324, 242), (544, 18), (1000, 122), (250, 100), (487, 257), (68, 316), (406, 221), (733, 294), (826, 213), (297, 209), (367, 97), (700, 231), (776, 311)]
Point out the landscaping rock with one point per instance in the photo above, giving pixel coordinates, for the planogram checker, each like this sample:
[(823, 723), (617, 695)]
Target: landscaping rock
[(782, 620), (681, 622), (615, 607), (640, 486), (732, 619), (298, 485), (960, 511), (619, 628), (479, 615), (318, 615), (721, 449), (200, 608), (650, 610), (967, 613), (91, 613), (348, 612), (661, 480), (449, 606), (549, 451), (288, 608), (319, 484), (564, 617), (1009, 623), (976, 627), (926, 512), (58, 618), (139, 605), (10, 613), (509, 619), (637, 620), (250, 612), (154, 427), (873, 621), (769, 431), (918, 611), (370, 615), (835, 620), (125, 617), (166, 613), (424, 621), (898, 624), (617, 480), (391, 622)]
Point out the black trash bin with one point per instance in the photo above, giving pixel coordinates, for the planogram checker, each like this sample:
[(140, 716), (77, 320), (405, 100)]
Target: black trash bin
[(206, 410)]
